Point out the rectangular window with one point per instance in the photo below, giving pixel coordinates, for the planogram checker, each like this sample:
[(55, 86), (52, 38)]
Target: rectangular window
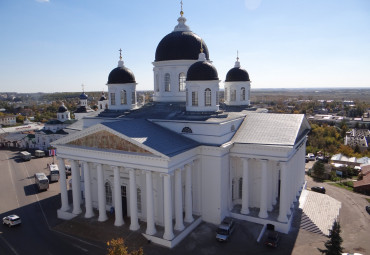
[(240, 188), (133, 98), (233, 95), (113, 98), (217, 98), (225, 96), (194, 98)]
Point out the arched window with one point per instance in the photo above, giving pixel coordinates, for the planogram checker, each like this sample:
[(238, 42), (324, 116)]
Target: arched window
[(167, 82), (207, 97), (186, 130), (123, 97), (138, 191), (217, 98), (194, 98), (108, 193), (113, 98), (182, 79), (157, 82), (243, 93), (133, 98), (233, 95), (240, 188), (225, 96), (232, 189), (187, 99)]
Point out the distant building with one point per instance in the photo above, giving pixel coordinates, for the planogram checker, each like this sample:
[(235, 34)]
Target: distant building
[(8, 120), (83, 109), (358, 137)]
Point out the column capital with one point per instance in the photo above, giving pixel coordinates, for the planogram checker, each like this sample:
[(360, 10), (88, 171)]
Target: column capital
[(114, 167), (96, 164), (166, 174)]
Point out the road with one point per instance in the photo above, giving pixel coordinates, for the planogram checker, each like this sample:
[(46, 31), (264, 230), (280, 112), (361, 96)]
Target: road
[(19, 195)]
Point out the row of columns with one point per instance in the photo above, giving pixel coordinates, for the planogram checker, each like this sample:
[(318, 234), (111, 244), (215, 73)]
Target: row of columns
[(151, 230), (291, 178)]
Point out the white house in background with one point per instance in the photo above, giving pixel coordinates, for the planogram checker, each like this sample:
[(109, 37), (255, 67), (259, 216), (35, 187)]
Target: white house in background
[(185, 158)]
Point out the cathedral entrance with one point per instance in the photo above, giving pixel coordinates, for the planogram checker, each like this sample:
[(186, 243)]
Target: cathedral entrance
[(124, 201)]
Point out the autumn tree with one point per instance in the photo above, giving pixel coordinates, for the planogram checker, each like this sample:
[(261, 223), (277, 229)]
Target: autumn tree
[(118, 247)]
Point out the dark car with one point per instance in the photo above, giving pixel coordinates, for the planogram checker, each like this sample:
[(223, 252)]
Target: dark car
[(319, 189), (273, 239), (368, 209), (68, 170)]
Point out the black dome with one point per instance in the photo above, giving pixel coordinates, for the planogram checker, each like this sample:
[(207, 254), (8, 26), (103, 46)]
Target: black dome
[(62, 109), (202, 71), (237, 74), (180, 45), (121, 74)]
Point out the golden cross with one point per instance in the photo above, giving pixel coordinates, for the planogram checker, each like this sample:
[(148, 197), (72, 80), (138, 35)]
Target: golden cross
[(120, 54)]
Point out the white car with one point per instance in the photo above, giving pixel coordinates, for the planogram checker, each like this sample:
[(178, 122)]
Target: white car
[(12, 220)]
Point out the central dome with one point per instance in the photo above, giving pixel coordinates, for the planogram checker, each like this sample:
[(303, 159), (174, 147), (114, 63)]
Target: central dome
[(180, 45)]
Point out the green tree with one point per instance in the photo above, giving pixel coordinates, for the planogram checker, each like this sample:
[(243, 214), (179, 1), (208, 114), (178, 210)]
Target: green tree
[(318, 169), (333, 245)]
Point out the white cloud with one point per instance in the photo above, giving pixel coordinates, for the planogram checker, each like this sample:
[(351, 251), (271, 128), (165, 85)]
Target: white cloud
[(42, 1), (252, 4)]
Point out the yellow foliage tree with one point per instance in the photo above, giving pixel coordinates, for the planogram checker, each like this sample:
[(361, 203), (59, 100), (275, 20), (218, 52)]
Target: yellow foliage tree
[(118, 247)]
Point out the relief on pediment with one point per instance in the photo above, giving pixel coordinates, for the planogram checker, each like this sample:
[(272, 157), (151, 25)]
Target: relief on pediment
[(106, 140)]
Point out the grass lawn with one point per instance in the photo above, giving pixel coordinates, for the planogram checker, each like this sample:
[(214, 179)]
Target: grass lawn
[(341, 185)]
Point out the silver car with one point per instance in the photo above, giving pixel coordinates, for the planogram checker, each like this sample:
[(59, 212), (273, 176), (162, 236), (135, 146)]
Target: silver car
[(12, 220)]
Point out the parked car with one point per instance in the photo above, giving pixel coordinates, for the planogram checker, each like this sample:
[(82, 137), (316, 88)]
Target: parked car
[(273, 239), (367, 209), (318, 189), (225, 229), (12, 220), (310, 157)]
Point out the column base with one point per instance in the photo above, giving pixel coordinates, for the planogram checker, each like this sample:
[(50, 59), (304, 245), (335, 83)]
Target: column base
[(263, 215), (189, 219), (77, 211), (150, 232), (134, 227), (179, 228), (119, 223), (102, 218), (89, 215), (65, 208), (168, 236), (244, 211), (282, 218)]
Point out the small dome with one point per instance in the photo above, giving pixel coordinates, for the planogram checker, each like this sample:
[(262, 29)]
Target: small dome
[(102, 98), (180, 45), (83, 96), (121, 74), (202, 71), (237, 74), (62, 109)]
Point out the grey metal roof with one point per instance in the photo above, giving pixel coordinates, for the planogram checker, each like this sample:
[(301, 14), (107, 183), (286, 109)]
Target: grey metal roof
[(156, 137), (271, 129)]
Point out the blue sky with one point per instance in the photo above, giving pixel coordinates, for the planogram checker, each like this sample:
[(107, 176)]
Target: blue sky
[(57, 45)]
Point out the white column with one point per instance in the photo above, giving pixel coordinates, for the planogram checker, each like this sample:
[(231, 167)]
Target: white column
[(133, 201), (245, 194), (264, 194), (117, 198), (188, 195), (101, 194), (178, 201), (150, 225), (63, 185), (88, 200), (76, 190), (284, 204), (168, 231)]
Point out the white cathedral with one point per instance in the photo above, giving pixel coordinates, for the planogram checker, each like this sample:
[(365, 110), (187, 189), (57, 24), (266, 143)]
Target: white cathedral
[(185, 158)]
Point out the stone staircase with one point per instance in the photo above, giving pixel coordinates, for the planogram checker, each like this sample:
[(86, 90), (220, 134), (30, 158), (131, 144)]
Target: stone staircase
[(319, 211)]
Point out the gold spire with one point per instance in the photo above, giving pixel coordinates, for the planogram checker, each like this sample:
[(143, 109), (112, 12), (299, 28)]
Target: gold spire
[(181, 13), (120, 54), (201, 46), (237, 55)]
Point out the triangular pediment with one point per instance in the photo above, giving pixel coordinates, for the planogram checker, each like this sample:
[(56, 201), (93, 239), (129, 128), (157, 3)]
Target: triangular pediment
[(107, 141)]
